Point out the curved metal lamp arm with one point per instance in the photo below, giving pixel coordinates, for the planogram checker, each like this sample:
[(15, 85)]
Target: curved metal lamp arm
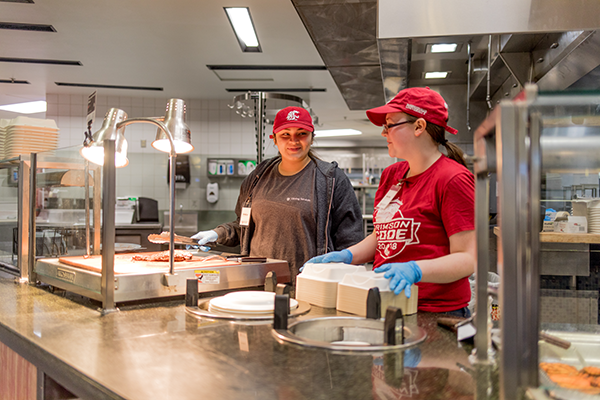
[(154, 122), (172, 156)]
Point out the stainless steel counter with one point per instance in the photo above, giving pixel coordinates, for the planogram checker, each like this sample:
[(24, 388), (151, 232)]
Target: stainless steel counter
[(158, 351)]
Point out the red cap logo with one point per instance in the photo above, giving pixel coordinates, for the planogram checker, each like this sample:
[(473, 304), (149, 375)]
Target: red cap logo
[(419, 102), (293, 117)]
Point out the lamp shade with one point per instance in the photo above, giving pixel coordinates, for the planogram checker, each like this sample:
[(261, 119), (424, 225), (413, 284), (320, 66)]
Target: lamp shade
[(95, 151), (175, 123)]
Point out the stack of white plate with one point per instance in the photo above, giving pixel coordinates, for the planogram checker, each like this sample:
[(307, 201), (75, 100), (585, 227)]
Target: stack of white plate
[(246, 302), (318, 283), (354, 288), (24, 135), (593, 216), (3, 123)]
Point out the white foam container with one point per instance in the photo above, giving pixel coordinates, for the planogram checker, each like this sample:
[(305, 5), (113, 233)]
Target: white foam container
[(354, 288), (317, 284)]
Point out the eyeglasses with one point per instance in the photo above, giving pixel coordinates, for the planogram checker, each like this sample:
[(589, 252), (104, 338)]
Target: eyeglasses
[(386, 128)]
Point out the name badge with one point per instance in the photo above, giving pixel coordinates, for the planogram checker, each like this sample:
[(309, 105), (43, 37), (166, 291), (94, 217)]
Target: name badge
[(389, 196), (245, 217)]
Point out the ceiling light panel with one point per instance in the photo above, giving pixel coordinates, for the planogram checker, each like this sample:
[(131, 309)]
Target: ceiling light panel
[(443, 48), (437, 75), (241, 22), (336, 133), (30, 107)]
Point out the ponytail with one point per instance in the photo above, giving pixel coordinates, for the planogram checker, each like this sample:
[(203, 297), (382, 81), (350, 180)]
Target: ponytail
[(438, 134)]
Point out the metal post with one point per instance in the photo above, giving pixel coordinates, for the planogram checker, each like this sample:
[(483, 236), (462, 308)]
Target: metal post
[(532, 268), (87, 207), (108, 228), (172, 164), (23, 231), (519, 165), (32, 209), (97, 208), (259, 119), (482, 193)]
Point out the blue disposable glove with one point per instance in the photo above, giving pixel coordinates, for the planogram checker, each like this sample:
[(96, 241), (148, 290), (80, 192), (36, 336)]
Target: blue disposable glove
[(401, 275), (344, 256), (206, 237)]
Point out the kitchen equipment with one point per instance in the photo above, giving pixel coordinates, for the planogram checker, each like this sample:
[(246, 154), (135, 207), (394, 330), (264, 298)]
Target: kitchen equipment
[(348, 334), (146, 210), (124, 264), (252, 306), (146, 280)]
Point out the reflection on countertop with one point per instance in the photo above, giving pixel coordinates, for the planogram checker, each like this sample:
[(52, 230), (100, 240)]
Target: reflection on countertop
[(157, 351)]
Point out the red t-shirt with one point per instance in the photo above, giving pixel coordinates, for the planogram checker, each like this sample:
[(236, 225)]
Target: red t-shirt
[(428, 209)]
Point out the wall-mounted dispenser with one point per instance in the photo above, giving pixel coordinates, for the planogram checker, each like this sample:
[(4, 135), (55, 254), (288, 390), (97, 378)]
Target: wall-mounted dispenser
[(182, 172), (212, 192)]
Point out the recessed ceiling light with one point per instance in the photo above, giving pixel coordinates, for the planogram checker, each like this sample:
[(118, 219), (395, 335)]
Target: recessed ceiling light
[(240, 20), (26, 108), (337, 132), (436, 75), (444, 48)]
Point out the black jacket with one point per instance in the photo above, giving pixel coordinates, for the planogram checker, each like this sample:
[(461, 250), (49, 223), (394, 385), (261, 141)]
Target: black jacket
[(339, 218)]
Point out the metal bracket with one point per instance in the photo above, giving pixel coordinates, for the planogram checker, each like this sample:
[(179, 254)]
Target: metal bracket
[(171, 280)]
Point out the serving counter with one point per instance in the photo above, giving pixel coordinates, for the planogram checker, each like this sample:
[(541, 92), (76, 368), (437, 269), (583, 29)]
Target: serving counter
[(158, 351)]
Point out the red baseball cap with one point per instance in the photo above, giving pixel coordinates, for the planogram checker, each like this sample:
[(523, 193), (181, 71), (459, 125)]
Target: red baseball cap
[(420, 102), (293, 117)]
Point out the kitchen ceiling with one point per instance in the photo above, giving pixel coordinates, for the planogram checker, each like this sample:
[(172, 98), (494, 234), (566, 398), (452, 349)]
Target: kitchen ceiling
[(147, 46), (326, 52)]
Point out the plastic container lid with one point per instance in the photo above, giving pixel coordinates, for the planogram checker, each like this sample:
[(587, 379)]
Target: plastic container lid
[(367, 280), (332, 272)]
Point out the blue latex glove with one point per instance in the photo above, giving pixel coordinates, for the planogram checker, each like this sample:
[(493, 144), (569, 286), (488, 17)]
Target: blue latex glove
[(206, 237), (344, 256), (401, 275)]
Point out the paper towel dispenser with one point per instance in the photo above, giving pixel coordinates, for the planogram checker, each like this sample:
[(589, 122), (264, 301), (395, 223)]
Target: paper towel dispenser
[(182, 172)]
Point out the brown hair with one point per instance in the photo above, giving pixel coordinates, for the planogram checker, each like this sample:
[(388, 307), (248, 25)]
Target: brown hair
[(438, 134)]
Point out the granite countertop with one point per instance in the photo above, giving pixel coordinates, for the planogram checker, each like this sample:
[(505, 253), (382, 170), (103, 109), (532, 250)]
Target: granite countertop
[(158, 351)]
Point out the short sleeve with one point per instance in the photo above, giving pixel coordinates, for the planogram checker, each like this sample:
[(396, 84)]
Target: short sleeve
[(458, 204)]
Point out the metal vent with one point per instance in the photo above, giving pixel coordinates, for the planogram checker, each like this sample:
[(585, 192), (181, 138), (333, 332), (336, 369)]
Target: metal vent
[(14, 81), (278, 90), (17, 26), (39, 61), (97, 85), (344, 34)]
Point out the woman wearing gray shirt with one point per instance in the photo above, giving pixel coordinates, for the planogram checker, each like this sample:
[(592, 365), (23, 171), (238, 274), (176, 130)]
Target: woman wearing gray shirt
[(294, 206)]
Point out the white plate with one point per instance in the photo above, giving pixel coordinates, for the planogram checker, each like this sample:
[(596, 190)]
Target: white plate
[(248, 301)]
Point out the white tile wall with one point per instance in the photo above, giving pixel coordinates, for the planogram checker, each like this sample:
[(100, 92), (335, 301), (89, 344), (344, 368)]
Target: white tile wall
[(217, 131)]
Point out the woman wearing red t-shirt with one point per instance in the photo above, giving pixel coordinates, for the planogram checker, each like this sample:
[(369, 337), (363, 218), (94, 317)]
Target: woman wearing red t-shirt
[(424, 207)]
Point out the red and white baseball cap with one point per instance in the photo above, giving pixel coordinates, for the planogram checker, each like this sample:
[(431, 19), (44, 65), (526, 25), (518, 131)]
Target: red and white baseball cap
[(293, 117), (420, 102)]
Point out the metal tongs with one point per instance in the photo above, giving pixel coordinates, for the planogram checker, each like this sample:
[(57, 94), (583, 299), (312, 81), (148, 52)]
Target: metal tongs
[(163, 238)]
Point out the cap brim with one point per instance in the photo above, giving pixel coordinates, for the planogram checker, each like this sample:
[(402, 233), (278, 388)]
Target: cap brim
[(295, 124), (451, 130), (377, 115)]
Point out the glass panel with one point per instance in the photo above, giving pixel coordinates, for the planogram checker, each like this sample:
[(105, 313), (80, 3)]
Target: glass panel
[(570, 267), (61, 203), (9, 196)]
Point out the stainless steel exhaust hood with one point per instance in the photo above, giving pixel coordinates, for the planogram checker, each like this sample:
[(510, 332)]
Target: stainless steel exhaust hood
[(373, 49)]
